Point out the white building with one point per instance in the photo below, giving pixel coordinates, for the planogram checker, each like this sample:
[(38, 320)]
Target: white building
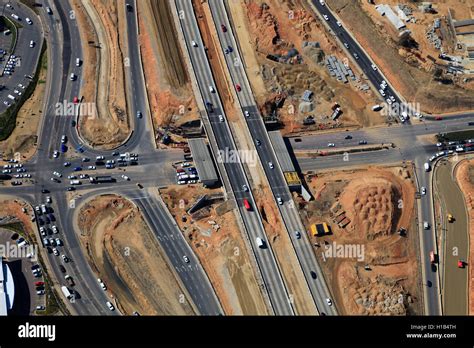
[(7, 288)]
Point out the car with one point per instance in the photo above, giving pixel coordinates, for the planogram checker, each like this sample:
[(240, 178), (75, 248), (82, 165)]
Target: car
[(356, 56), (85, 159), (72, 77), (48, 10), (6, 103), (392, 98), (17, 92), (56, 154), (211, 89), (348, 137), (186, 259), (91, 167), (109, 166), (75, 100), (270, 164), (461, 264), (279, 200), (246, 113), (139, 114), (438, 118), (63, 139), (55, 229), (62, 268), (331, 145), (125, 177), (28, 21), (69, 279), (223, 28), (221, 118), (58, 242), (313, 274), (258, 142), (110, 306), (73, 123), (66, 164), (52, 242), (329, 302), (194, 43), (245, 188), (71, 188), (40, 308), (238, 87), (39, 292), (46, 241), (65, 258), (298, 234), (339, 24), (363, 142), (56, 180), (57, 174), (32, 44), (83, 176), (326, 17), (374, 67), (426, 225), (101, 283), (55, 252)]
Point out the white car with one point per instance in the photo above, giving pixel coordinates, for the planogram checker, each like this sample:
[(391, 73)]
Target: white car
[(279, 200), (329, 302), (221, 118), (65, 258), (28, 21), (59, 242), (56, 154), (186, 259), (48, 199), (374, 67), (102, 285), (57, 174), (246, 113), (110, 305), (331, 145), (91, 167), (423, 190), (55, 252), (194, 43), (270, 164), (245, 188), (426, 225), (211, 89), (55, 229), (326, 17), (32, 44), (125, 177), (339, 24)]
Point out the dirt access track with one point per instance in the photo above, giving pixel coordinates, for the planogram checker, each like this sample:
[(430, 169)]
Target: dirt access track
[(215, 237), (412, 82), (465, 179), (103, 80), (125, 254), (377, 202), (168, 85)]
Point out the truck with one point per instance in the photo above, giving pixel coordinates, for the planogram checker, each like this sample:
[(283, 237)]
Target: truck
[(67, 293), (101, 179), (75, 182), (247, 204), (11, 97), (427, 167)]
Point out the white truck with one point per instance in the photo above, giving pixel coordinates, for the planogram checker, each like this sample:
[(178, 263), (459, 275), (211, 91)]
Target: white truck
[(67, 293), (427, 167), (75, 182)]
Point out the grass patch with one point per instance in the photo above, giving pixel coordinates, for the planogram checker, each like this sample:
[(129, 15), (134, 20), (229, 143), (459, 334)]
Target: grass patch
[(13, 27), (456, 136), (8, 117), (16, 227)]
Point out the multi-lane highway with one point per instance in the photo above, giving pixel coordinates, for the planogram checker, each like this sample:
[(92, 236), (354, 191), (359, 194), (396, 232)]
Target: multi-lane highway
[(267, 264), (305, 255)]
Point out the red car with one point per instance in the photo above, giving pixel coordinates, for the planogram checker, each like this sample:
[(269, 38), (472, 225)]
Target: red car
[(223, 27), (461, 264), (39, 283), (438, 118), (75, 100), (237, 86)]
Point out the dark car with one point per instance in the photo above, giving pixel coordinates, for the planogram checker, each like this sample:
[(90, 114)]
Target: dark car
[(62, 268), (313, 275), (73, 123), (70, 188), (44, 191), (348, 137)]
